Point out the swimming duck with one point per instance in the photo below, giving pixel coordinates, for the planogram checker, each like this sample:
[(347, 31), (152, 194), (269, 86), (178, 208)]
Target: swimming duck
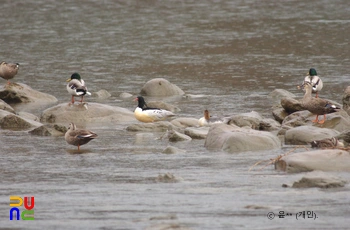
[(327, 143), (145, 114), (8, 70), (208, 120), (315, 81), (317, 106), (76, 87), (78, 137)]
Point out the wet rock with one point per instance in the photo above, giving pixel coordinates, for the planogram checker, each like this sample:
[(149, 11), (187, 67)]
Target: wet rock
[(183, 122), (160, 87), (255, 121), (319, 180), (125, 95), (101, 94), (197, 133), (305, 134), (49, 130), (86, 113), (175, 136), (291, 105), (160, 126), (279, 114), (234, 139), (172, 150), (163, 105), (168, 178), (322, 159), (6, 107), (18, 93), (11, 121)]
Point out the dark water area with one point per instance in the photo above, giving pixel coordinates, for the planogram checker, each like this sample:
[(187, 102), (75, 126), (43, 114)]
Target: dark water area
[(232, 53)]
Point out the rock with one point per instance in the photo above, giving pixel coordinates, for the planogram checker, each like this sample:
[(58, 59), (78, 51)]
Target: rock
[(86, 113), (346, 100), (49, 130), (197, 133), (163, 105), (6, 107), (29, 116), (175, 136), (319, 180), (324, 160), (172, 150), (255, 121), (183, 122), (168, 178), (125, 95), (291, 105), (160, 87), (281, 93), (305, 134), (234, 139), (345, 135), (160, 126), (11, 121), (279, 114), (21, 95), (101, 94)]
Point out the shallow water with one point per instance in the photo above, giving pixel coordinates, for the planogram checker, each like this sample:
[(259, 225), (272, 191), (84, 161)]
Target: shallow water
[(232, 52)]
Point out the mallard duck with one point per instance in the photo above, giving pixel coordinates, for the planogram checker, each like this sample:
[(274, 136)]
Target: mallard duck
[(8, 70), (145, 114), (78, 137), (315, 81), (327, 143), (76, 87), (208, 120), (317, 106)]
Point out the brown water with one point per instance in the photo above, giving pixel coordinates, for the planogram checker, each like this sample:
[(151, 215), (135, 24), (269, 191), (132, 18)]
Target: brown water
[(232, 52)]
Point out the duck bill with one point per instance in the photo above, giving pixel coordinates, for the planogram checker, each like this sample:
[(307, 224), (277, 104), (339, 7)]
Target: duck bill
[(68, 80)]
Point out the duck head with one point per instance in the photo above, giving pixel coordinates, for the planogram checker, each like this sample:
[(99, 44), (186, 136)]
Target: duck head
[(312, 72), (74, 76)]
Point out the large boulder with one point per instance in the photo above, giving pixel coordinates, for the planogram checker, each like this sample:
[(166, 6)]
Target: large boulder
[(11, 121), (234, 139), (291, 105), (255, 121), (160, 87), (86, 113), (22, 95), (305, 134), (324, 160)]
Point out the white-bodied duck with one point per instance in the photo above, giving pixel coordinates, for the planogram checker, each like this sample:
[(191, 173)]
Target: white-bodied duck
[(145, 114), (208, 120), (76, 87), (78, 137), (8, 70), (315, 81), (317, 106)]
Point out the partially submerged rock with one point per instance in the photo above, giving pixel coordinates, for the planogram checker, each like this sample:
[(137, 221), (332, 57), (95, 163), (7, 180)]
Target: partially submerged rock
[(49, 130), (14, 122), (197, 133), (305, 134), (183, 122), (6, 107), (86, 113), (172, 150), (101, 94), (324, 160), (320, 180), (175, 136), (160, 126), (255, 121), (160, 87)]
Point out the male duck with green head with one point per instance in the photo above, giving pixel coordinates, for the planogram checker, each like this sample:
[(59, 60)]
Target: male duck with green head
[(315, 81), (76, 87)]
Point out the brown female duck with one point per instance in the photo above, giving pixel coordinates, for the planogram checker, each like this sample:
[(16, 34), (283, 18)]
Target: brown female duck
[(77, 137), (8, 70), (317, 106)]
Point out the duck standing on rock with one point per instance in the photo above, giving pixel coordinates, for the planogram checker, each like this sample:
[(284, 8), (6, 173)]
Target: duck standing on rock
[(145, 114), (317, 106), (78, 137), (8, 70), (315, 81), (76, 87), (207, 120)]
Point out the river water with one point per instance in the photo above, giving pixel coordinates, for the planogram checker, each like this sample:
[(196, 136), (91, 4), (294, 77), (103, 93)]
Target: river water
[(234, 53)]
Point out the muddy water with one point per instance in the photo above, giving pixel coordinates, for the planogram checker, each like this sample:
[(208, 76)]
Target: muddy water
[(232, 52)]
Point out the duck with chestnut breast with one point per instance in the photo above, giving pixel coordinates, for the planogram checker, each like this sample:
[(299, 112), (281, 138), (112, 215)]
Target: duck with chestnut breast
[(8, 70), (76, 87), (317, 106), (144, 113), (315, 81), (78, 137), (208, 120)]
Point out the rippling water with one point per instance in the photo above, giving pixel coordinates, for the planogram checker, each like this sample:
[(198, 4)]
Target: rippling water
[(232, 52)]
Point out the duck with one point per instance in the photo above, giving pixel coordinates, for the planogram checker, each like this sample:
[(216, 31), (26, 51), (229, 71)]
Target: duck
[(327, 143), (146, 114), (8, 70), (78, 137), (315, 81), (317, 106), (76, 87), (208, 120)]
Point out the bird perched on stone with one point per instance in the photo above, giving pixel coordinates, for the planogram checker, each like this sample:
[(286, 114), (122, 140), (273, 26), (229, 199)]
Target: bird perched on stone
[(327, 143), (76, 87), (78, 137), (315, 81), (146, 114), (8, 70)]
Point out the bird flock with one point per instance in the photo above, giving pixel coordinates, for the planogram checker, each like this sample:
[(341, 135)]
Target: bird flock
[(76, 88)]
